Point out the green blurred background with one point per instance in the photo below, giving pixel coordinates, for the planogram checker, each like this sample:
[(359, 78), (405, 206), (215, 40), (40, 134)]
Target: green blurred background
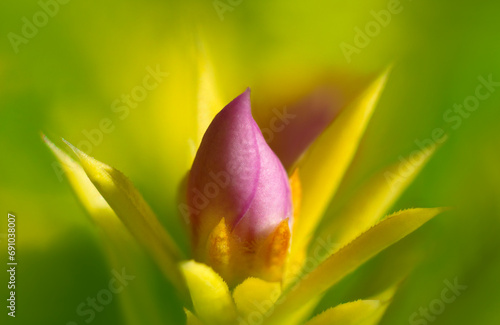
[(64, 80)]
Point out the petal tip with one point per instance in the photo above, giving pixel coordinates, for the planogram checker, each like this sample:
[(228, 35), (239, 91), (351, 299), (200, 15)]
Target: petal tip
[(243, 101)]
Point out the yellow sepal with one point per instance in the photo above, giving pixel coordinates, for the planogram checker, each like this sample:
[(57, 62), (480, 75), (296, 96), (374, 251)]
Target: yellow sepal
[(256, 296), (136, 215), (209, 293)]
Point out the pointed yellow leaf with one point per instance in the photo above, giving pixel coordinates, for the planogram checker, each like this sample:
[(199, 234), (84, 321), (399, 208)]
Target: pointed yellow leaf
[(120, 247), (301, 314), (385, 299), (191, 319), (135, 214), (208, 101), (325, 163), (256, 296), (209, 293), (352, 313), (93, 202), (377, 315), (374, 198), (350, 257), (297, 317), (89, 196)]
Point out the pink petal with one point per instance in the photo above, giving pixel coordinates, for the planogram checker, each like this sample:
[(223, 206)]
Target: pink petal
[(237, 176)]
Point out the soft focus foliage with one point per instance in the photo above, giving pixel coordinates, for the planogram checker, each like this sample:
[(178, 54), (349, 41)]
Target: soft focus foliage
[(66, 78)]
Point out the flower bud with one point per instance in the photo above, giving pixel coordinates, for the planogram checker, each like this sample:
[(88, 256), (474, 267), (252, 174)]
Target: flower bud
[(237, 178)]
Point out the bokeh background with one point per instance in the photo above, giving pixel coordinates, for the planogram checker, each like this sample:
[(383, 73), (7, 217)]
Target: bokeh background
[(64, 79)]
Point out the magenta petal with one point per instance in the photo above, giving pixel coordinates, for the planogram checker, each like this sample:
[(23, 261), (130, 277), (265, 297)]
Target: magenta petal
[(272, 201), (236, 176)]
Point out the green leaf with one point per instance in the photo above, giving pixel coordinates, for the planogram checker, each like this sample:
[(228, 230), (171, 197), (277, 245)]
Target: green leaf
[(135, 213), (374, 198), (350, 257), (325, 163), (209, 293)]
